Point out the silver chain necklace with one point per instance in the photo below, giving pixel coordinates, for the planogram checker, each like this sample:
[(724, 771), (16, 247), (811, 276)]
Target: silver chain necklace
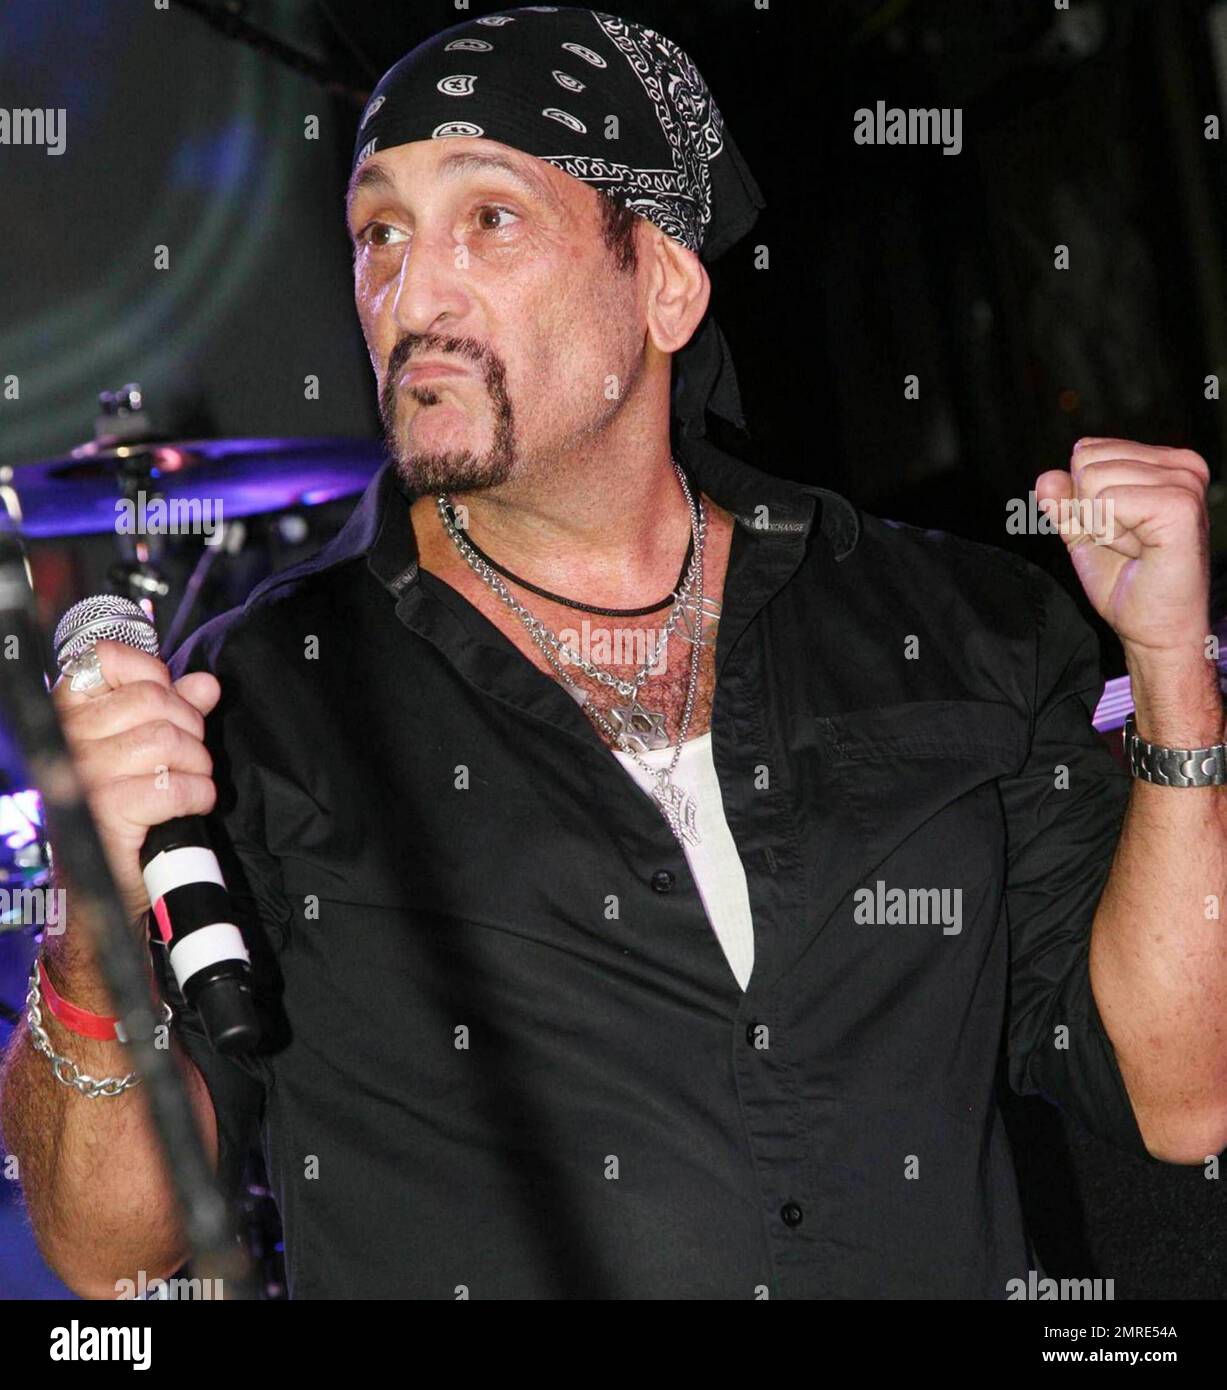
[(638, 729)]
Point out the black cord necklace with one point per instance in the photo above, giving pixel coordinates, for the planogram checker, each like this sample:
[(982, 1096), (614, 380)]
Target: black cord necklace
[(574, 603)]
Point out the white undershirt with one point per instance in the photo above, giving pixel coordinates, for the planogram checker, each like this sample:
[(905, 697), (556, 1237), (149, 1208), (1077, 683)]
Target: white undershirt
[(714, 861)]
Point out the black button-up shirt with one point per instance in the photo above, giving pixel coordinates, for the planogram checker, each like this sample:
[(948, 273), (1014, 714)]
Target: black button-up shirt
[(505, 1052)]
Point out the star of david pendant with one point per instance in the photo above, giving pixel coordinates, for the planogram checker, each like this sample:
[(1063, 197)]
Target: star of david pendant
[(689, 619), (679, 807), (643, 729)]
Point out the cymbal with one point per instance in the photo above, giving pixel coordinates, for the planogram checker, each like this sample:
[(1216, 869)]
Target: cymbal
[(76, 495)]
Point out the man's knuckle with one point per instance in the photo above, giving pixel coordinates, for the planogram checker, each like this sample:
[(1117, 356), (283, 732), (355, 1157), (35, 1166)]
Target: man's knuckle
[(193, 793), (107, 798), (1194, 461), (158, 736)]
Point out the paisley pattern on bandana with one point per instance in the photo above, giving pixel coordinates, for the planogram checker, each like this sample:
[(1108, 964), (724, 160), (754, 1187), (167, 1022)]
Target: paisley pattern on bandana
[(691, 123), (649, 130), (613, 104)]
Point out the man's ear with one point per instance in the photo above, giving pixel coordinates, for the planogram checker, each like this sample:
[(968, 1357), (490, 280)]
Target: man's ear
[(677, 294)]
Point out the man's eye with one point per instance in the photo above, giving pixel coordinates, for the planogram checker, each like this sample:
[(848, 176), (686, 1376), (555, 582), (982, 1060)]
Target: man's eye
[(378, 234), (490, 210)]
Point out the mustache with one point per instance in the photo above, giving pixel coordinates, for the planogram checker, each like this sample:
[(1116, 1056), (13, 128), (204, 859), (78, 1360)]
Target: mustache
[(430, 343)]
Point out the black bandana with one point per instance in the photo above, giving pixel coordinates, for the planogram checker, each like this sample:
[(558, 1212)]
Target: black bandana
[(612, 104)]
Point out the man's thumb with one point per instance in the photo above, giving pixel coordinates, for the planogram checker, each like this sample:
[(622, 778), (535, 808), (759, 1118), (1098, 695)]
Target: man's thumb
[(201, 689)]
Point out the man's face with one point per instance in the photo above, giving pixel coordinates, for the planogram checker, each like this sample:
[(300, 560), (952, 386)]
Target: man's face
[(471, 254)]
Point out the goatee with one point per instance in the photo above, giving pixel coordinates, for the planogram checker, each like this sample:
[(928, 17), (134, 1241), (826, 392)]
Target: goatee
[(451, 470)]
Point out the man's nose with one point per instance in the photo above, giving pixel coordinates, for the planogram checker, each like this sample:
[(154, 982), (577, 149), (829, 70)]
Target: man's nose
[(431, 283)]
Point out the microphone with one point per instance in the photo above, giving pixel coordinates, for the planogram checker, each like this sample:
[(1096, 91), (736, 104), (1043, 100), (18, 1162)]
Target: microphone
[(182, 876)]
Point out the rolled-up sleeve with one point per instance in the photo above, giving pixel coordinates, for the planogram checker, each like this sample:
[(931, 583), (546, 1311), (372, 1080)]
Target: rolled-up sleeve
[(1064, 812)]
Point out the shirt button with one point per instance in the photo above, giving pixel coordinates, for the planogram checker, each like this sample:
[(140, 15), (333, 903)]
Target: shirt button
[(663, 881), (791, 1214)]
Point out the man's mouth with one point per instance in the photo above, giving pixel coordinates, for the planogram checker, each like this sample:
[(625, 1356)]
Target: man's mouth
[(425, 371)]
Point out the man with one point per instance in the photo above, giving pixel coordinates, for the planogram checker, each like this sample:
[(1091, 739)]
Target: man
[(601, 965)]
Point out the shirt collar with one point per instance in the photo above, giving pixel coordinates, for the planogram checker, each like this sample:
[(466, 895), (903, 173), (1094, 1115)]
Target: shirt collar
[(772, 510)]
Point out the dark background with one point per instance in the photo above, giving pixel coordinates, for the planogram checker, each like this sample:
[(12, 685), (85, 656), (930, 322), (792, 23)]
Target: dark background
[(1083, 128)]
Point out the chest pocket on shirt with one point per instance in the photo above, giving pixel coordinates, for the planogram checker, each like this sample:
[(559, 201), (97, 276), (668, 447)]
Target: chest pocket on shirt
[(914, 800), (958, 729)]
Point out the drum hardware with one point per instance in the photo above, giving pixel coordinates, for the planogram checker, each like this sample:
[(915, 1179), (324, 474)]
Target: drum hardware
[(261, 488), (231, 541)]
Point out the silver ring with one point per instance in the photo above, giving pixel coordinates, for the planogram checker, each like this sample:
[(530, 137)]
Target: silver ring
[(84, 671)]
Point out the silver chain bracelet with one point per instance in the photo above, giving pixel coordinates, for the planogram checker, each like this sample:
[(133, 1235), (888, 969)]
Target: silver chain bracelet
[(65, 1069)]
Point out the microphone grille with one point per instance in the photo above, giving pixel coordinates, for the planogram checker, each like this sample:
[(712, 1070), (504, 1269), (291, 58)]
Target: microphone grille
[(104, 617)]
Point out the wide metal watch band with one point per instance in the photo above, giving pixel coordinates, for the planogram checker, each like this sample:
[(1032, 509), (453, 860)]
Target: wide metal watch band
[(1173, 767)]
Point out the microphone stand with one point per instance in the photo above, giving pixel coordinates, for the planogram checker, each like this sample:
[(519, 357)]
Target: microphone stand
[(26, 704)]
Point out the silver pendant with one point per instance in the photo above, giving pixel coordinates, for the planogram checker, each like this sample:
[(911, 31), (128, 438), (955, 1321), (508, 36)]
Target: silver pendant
[(690, 610), (642, 728), (679, 807)]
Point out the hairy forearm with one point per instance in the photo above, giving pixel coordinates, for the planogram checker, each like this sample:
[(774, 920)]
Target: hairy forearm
[(91, 1171), (1159, 941)]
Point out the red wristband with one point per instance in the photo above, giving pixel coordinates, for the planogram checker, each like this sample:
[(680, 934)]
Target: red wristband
[(100, 1027)]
